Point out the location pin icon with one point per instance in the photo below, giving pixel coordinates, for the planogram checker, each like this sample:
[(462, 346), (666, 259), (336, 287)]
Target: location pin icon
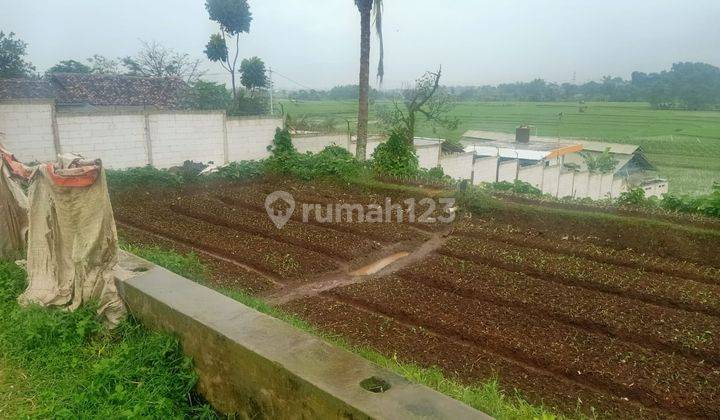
[(279, 217)]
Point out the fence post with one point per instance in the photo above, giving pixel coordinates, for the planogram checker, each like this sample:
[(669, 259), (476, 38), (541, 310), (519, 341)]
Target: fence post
[(55, 131), (148, 139), (226, 149)]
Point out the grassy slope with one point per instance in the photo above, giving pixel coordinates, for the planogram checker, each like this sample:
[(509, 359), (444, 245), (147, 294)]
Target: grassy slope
[(65, 365), (684, 145), (487, 397)]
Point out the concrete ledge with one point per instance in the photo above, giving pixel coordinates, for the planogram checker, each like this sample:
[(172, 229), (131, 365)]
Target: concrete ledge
[(256, 366)]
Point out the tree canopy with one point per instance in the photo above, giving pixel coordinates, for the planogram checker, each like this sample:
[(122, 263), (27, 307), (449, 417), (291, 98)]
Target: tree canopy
[(69, 66), (252, 73), (12, 57)]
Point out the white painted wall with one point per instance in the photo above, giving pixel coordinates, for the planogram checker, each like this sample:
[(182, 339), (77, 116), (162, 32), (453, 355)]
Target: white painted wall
[(566, 182), (580, 185), (249, 138), (428, 156), (507, 171), (177, 137), (606, 181), (458, 165), (118, 139), (27, 129), (551, 177), (485, 169), (594, 186), (316, 143), (533, 175)]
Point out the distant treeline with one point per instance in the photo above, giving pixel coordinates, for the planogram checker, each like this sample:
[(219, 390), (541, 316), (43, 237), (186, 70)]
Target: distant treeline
[(687, 85)]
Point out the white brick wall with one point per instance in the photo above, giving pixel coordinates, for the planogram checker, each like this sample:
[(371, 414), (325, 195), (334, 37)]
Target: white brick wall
[(485, 169), (507, 171), (177, 137), (606, 182), (580, 184), (458, 165), (551, 177), (119, 140), (594, 186), (428, 156), (566, 184), (533, 175), (317, 143), (249, 138), (28, 130)]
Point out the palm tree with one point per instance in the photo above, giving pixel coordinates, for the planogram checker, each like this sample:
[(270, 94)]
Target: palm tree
[(366, 7)]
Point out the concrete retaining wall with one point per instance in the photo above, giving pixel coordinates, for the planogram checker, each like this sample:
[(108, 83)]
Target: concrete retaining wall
[(316, 143), (255, 366), (533, 175)]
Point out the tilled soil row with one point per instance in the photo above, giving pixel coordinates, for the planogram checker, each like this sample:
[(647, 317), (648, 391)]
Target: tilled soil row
[(671, 330), (665, 290), (343, 245), (386, 233), (645, 236), (266, 255), (652, 378), (220, 273), (464, 360), (481, 229)]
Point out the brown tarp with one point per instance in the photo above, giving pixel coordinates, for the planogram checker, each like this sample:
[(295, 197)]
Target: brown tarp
[(13, 214), (72, 244)]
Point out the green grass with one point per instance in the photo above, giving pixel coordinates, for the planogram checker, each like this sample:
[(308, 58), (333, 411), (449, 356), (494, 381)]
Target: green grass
[(487, 396), (684, 145), (57, 364)]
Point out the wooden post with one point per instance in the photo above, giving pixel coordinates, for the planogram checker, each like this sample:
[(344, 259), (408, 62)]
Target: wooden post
[(148, 139), (56, 133)]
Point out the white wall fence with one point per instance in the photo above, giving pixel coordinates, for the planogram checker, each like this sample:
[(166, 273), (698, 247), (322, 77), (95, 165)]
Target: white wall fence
[(551, 180), (34, 131)]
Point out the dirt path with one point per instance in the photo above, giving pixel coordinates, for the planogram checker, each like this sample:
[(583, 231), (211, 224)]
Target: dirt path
[(388, 264)]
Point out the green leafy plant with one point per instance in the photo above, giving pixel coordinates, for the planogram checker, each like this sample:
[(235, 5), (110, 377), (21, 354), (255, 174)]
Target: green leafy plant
[(146, 176), (242, 170), (516, 187), (600, 163), (633, 197), (395, 158)]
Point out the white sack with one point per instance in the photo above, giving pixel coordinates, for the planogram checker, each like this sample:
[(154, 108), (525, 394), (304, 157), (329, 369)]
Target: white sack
[(72, 247)]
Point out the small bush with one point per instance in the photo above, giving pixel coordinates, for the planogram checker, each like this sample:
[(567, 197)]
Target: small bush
[(633, 197), (242, 170), (395, 158), (146, 176), (516, 187), (189, 171)]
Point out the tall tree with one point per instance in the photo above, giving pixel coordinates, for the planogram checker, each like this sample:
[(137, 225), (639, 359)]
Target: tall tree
[(69, 66), (234, 18), (366, 8), (103, 65), (252, 73), (12, 57), (155, 60)]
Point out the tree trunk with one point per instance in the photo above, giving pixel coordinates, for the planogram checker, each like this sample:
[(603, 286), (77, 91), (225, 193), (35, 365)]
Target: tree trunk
[(232, 81), (365, 7)]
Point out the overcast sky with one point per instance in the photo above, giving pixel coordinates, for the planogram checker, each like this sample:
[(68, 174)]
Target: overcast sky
[(316, 42)]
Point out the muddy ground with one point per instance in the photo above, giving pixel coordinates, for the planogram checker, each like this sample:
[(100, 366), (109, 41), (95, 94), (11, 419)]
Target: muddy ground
[(580, 311)]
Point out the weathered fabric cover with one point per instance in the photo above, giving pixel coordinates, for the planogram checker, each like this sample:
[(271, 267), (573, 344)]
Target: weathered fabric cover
[(72, 247), (13, 215)]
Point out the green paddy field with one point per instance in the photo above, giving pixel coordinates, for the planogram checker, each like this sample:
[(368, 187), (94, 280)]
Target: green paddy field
[(684, 145)]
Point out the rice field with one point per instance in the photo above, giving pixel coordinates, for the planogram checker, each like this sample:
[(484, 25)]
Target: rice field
[(684, 145)]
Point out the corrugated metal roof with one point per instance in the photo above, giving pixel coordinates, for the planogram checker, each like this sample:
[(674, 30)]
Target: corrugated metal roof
[(594, 146)]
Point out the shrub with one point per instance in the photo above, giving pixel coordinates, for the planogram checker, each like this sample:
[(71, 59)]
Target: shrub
[(189, 171), (517, 187), (633, 197), (242, 170), (395, 158), (333, 161), (146, 176)]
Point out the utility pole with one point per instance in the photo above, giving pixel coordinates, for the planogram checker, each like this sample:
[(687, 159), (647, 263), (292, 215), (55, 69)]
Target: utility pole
[(272, 107)]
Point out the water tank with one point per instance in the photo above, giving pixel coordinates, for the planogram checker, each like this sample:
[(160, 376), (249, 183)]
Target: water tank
[(522, 134)]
